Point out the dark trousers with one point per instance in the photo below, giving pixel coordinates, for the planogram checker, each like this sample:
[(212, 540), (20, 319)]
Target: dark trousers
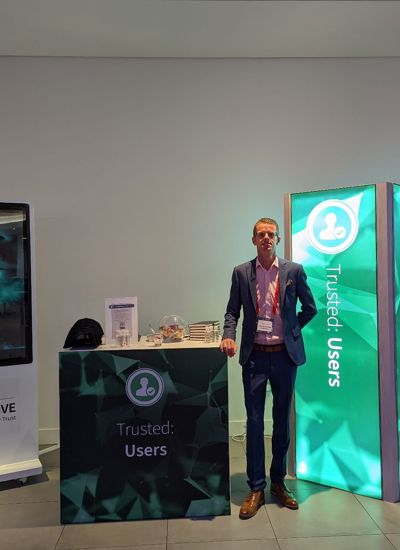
[(279, 369)]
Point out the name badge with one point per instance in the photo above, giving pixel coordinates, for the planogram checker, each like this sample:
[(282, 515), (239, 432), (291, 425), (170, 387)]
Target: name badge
[(265, 325)]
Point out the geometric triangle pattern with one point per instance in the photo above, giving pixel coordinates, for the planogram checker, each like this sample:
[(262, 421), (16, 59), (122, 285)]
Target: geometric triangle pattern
[(144, 434), (337, 390)]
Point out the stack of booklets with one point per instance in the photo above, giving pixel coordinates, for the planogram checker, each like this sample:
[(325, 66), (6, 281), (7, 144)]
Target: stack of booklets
[(197, 331)]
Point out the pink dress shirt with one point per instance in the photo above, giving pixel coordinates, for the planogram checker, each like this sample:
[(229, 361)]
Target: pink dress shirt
[(266, 286)]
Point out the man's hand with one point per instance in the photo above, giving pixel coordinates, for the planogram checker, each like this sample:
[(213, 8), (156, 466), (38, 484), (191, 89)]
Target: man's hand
[(228, 346)]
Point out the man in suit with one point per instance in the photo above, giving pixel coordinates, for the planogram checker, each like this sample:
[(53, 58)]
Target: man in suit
[(267, 288)]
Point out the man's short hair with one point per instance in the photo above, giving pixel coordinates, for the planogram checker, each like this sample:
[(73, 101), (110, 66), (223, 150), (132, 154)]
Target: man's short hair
[(265, 220)]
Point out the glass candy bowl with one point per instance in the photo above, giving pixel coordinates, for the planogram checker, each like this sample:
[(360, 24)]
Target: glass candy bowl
[(173, 328)]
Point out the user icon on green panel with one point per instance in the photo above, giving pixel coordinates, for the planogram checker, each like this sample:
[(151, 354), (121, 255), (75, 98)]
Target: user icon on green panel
[(332, 232)]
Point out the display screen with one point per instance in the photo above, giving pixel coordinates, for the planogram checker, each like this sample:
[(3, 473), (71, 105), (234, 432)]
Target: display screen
[(15, 285), (337, 391), (396, 224)]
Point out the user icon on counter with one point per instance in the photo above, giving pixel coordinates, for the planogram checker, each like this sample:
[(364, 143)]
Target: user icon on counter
[(144, 390), (144, 387)]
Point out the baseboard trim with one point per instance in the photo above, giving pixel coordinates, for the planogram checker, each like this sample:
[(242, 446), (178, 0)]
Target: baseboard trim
[(49, 436)]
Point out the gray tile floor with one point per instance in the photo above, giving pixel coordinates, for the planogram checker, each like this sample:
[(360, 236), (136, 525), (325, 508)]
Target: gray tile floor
[(327, 519)]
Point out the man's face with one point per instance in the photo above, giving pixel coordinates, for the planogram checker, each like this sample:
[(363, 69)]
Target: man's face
[(266, 238)]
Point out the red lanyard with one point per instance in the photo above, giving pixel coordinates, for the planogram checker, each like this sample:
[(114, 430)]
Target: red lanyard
[(276, 298)]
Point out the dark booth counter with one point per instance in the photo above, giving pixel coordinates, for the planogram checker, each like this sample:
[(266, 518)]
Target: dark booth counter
[(144, 433)]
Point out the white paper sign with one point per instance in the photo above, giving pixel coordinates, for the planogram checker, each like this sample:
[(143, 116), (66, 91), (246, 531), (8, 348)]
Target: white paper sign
[(121, 314), (9, 410)]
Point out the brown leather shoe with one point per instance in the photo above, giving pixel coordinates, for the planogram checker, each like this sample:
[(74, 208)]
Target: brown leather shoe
[(251, 504), (285, 497)]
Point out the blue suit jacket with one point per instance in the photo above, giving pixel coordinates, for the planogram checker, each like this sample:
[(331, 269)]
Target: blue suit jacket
[(293, 287)]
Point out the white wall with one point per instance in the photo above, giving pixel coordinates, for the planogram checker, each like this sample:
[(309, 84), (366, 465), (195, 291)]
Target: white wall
[(147, 175)]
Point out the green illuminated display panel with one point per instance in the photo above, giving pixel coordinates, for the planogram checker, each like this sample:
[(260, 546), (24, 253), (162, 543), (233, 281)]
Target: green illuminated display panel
[(337, 391), (396, 225)]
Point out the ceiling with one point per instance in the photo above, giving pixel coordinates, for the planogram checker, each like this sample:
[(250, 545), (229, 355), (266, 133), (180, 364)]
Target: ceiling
[(199, 28)]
